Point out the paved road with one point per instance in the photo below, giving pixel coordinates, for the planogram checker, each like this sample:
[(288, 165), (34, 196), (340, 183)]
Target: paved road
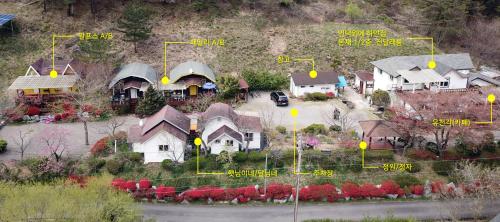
[(354, 211)]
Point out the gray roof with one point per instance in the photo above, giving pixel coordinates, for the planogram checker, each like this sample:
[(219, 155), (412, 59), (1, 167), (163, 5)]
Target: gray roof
[(191, 68), (444, 63), (139, 70), (474, 76), (302, 78), (43, 82)]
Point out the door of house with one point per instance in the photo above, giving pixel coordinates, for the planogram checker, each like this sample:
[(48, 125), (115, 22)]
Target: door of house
[(193, 90), (361, 87)]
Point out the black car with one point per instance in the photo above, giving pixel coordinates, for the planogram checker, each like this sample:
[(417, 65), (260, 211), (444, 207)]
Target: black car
[(279, 98)]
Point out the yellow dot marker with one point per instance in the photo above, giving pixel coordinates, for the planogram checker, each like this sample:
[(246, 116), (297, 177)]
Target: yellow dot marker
[(363, 145), (313, 74), (53, 74), (294, 112), (491, 98), (197, 141), (165, 80), (431, 64)]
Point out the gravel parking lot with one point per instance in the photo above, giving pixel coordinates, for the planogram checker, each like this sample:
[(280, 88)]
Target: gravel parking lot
[(309, 112)]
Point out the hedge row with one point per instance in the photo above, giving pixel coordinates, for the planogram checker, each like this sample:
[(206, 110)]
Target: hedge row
[(143, 189)]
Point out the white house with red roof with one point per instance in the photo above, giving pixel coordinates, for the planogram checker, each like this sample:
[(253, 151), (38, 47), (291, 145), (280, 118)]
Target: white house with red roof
[(222, 129), (161, 136)]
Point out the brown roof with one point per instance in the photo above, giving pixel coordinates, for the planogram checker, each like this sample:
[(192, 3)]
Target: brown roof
[(301, 78), (377, 128), (219, 110), (169, 115), (167, 119), (365, 75), (225, 130), (243, 84), (249, 122), (43, 67)]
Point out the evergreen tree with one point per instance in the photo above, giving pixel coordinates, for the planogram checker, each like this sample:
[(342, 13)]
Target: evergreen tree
[(135, 23), (228, 86), (444, 19), (152, 102)]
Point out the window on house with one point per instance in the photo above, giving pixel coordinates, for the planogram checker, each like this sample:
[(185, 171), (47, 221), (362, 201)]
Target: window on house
[(443, 84), (311, 86), (406, 81), (302, 86), (392, 78), (248, 136), (380, 71), (217, 141), (163, 147), (229, 142)]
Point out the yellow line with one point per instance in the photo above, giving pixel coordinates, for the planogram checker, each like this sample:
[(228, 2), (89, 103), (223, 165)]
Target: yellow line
[(363, 161), (178, 43), (491, 116), (294, 146), (426, 38), (198, 159), (213, 173), (53, 50)]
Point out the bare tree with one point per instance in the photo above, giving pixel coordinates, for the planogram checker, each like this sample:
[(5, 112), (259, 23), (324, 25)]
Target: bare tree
[(112, 126), (91, 91), (340, 118), (23, 141), (54, 140)]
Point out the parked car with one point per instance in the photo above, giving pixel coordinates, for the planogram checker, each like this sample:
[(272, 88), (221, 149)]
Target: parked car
[(279, 98)]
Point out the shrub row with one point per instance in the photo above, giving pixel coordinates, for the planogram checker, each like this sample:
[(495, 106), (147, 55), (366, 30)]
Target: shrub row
[(277, 192)]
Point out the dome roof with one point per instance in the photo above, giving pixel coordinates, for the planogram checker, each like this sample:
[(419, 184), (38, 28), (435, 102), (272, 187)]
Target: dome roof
[(191, 68)]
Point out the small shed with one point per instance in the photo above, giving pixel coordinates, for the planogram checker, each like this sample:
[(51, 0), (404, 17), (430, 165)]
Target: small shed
[(243, 95), (363, 82), (377, 132)]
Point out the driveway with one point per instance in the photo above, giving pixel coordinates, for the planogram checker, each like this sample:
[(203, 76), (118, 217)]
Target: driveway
[(309, 112), (75, 139), (420, 210)]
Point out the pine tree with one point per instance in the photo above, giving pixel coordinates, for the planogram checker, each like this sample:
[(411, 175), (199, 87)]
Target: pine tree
[(135, 23), (152, 102), (444, 19)]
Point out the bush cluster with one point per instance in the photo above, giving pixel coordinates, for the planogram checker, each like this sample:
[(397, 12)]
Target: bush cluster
[(443, 168), (3, 146), (316, 96), (315, 129), (265, 81)]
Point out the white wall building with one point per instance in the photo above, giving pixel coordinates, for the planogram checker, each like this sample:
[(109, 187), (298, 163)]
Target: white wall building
[(161, 136), (302, 83), (453, 68), (223, 129)]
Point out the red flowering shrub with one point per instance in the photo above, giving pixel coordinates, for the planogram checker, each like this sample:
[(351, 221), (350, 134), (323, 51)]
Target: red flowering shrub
[(279, 191), (417, 189), (370, 190), (57, 117), (200, 193), (351, 190), (330, 94), (401, 192), (100, 146), (217, 194), (143, 193), (144, 183), (75, 179), (243, 200), (88, 108), (437, 186), (390, 187), (163, 192), (318, 192), (67, 106), (33, 110), (250, 192), (130, 185), (118, 183)]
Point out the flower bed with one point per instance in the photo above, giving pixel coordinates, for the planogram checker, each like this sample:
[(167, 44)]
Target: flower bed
[(144, 189)]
